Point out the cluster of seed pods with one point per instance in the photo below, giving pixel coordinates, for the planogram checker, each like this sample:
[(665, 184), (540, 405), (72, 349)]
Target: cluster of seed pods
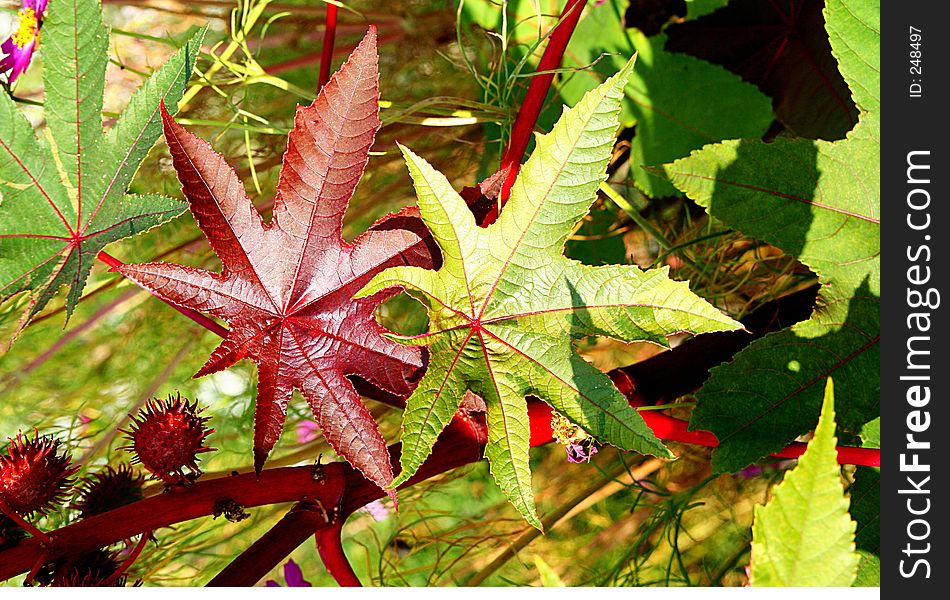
[(37, 477)]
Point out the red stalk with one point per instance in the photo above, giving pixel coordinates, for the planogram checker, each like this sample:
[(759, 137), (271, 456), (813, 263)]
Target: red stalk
[(326, 53), (537, 91), (461, 443), (330, 547), (673, 429), (273, 547), (129, 560)]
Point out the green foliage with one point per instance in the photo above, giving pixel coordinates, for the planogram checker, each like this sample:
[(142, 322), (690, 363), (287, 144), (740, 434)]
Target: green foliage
[(506, 304), (549, 577), (804, 535), (869, 571), (698, 8), (64, 197), (676, 102), (820, 202), (866, 508), (676, 526)]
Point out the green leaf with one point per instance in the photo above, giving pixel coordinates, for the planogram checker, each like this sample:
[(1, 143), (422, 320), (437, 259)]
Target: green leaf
[(63, 199), (677, 103), (506, 304), (866, 508), (698, 8), (854, 30), (804, 535), (820, 202), (869, 571), (75, 47), (871, 434), (548, 576)]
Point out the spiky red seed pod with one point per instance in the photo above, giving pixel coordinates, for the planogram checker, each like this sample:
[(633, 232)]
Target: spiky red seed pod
[(34, 476), (108, 490), (167, 436)]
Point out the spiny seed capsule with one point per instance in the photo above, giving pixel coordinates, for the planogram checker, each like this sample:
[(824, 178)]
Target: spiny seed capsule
[(34, 477), (167, 436), (108, 490)]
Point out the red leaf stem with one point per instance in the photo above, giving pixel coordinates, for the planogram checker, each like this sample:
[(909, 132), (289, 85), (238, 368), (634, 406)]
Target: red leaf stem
[(128, 562), (273, 547), (461, 443), (673, 429), (326, 52), (330, 546), (23, 523), (206, 322), (537, 91)]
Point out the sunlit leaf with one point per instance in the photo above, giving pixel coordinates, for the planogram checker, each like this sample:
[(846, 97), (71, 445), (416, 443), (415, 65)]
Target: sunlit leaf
[(64, 195), (286, 287), (506, 305), (804, 536), (819, 202)]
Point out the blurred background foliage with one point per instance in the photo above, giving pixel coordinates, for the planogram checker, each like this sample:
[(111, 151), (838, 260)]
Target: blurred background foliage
[(452, 77)]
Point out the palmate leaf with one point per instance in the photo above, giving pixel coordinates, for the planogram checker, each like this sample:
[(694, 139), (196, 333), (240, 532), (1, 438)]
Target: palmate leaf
[(506, 305), (286, 287), (804, 535), (64, 197), (819, 202)]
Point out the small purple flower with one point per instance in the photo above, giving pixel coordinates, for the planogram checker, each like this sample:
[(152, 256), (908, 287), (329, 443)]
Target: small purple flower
[(756, 470), (582, 451), (293, 576), (17, 51)]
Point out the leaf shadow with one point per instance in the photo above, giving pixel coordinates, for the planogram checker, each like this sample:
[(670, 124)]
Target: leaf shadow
[(771, 392)]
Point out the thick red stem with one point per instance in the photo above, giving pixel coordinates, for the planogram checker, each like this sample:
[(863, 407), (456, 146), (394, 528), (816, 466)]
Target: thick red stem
[(273, 547), (537, 92), (330, 546), (326, 52), (206, 322), (461, 443), (673, 429)]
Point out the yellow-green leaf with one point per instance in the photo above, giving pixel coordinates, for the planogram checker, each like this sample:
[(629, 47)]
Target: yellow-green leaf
[(804, 536)]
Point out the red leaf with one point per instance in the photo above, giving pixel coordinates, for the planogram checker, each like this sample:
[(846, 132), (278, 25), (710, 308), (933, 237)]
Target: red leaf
[(286, 288)]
